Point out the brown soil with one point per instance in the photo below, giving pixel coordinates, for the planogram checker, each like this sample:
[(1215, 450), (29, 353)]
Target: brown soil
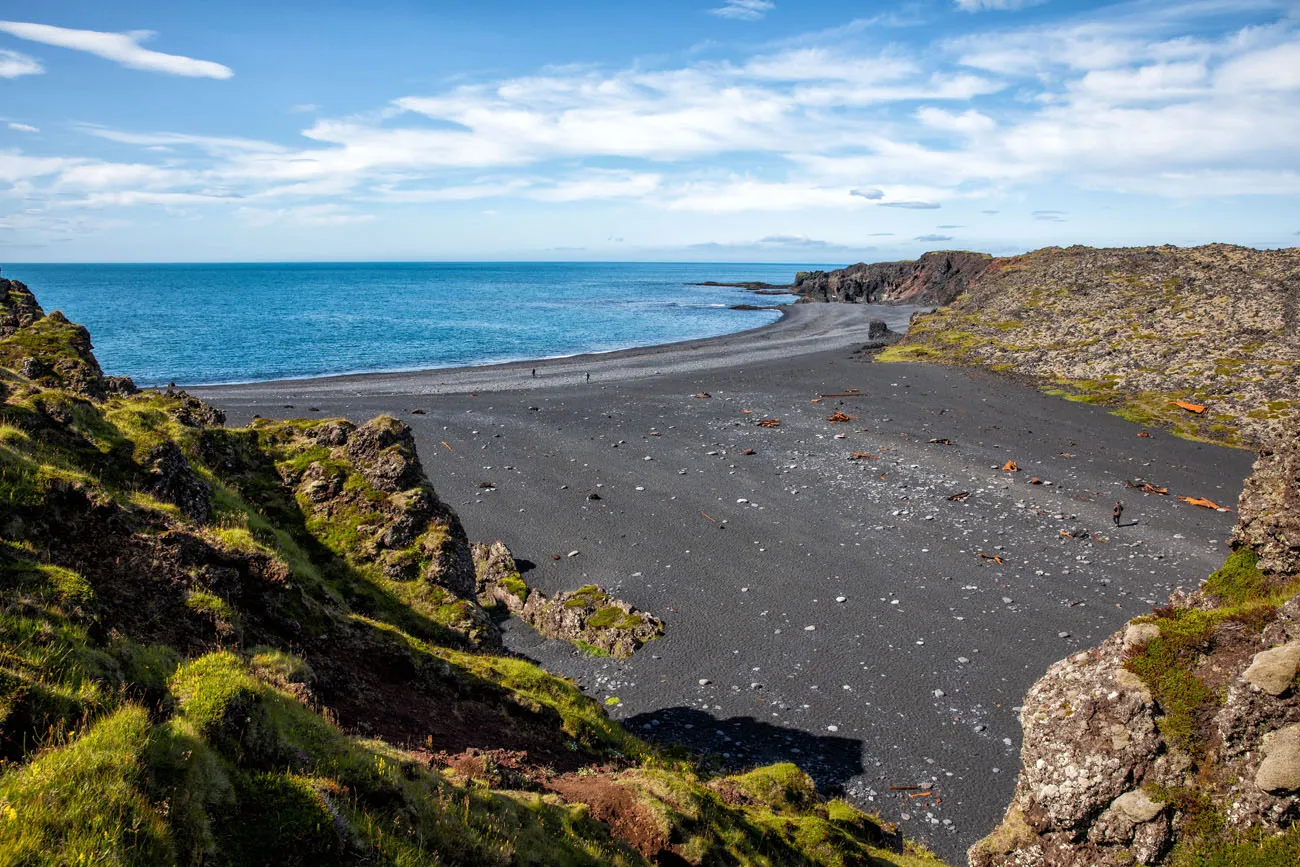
[(628, 819)]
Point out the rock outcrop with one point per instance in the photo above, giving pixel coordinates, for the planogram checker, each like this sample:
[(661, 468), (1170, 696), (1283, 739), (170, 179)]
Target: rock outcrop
[(48, 349), (1137, 329), (935, 278), (1179, 737), (589, 618)]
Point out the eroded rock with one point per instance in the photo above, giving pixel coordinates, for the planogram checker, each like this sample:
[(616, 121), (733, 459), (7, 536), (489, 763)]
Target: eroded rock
[(1273, 671), (1279, 772)]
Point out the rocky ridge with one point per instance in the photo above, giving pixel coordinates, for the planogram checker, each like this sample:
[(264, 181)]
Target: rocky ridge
[(263, 645), (1177, 741), (935, 278), (1138, 329)]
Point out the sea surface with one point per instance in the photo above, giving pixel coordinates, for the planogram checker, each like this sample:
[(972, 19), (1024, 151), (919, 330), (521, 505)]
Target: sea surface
[(206, 324)]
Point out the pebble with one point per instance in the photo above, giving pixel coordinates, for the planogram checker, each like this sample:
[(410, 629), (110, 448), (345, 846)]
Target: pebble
[(963, 660), (938, 693), (809, 628), (573, 553), (704, 681), (832, 728), (841, 599), (1062, 635)]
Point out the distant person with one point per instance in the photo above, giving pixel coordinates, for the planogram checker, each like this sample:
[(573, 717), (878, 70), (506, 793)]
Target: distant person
[(588, 377), (534, 373), (1117, 512)]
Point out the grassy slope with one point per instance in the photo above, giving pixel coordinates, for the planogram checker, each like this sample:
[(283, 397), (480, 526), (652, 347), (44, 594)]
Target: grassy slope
[(226, 692), (1136, 330)]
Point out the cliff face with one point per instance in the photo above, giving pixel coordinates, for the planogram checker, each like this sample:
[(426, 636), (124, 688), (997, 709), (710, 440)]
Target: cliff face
[(935, 278), (265, 646), (1177, 741), (1137, 329)]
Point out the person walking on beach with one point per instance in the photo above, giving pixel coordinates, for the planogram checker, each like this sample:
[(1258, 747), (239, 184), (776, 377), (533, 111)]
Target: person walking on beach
[(1117, 512), (588, 377), (534, 373)]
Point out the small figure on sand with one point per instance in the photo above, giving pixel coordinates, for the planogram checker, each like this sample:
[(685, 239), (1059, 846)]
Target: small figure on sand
[(1117, 512), (588, 377), (534, 373)]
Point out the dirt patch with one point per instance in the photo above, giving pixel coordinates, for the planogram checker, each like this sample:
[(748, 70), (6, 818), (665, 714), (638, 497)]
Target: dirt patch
[(628, 819), (499, 769)]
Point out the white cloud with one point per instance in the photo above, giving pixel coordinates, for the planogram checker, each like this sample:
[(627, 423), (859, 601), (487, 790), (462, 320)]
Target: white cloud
[(23, 127), (123, 48), (1121, 102), (306, 215), (744, 10), (14, 64), (1004, 5), (210, 144)]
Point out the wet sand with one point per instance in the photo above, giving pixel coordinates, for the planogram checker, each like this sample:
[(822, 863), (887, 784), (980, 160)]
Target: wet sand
[(831, 612)]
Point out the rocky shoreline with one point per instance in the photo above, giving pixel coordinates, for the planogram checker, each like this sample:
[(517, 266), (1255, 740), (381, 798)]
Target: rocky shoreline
[(1202, 341)]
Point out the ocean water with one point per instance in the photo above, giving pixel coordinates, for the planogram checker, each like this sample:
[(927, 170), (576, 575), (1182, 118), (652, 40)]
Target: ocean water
[(204, 324)]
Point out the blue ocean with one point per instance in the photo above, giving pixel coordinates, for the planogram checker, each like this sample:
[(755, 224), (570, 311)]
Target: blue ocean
[(206, 324)]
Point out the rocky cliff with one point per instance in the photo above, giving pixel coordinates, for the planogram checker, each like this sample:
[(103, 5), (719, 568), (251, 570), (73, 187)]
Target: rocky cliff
[(1177, 741), (265, 646), (1216, 328), (935, 278)]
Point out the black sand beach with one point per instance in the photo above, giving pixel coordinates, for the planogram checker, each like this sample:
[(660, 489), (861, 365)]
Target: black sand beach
[(832, 612)]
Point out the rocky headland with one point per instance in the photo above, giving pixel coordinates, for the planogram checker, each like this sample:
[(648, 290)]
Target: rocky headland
[(275, 644), (1204, 341), (935, 278)]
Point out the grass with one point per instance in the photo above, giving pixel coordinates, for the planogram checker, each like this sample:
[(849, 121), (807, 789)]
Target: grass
[(128, 742), (84, 803)]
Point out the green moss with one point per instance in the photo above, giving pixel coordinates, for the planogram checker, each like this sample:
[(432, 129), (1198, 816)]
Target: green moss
[(588, 596), (214, 690), (1239, 580), (1166, 663), (205, 602), (515, 585), (1252, 849), (590, 649), (84, 803), (780, 786)]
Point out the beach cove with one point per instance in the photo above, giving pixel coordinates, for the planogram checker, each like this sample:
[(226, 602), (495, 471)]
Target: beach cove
[(831, 611)]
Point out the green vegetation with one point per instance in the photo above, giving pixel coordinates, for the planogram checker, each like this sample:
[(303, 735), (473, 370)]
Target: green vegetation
[(1170, 666), (160, 701)]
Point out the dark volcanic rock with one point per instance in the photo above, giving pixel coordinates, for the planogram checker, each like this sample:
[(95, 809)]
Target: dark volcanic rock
[(18, 307), (877, 328), (48, 349), (175, 482), (935, 278), (383, 450)]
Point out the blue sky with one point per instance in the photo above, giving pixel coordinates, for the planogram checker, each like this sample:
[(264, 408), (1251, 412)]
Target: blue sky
[(744, 130)]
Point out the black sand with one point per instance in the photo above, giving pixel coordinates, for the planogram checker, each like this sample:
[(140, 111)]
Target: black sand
[(916, 676)]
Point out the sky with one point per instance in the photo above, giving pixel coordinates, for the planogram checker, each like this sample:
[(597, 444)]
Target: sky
[(679, 130)]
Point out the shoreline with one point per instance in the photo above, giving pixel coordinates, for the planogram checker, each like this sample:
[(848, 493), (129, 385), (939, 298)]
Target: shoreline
[(801, 328), (820, 609)]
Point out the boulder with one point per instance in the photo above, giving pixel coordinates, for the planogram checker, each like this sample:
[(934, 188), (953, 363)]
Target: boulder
[(1273, 671), (1138, 634), (1279, 772)]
